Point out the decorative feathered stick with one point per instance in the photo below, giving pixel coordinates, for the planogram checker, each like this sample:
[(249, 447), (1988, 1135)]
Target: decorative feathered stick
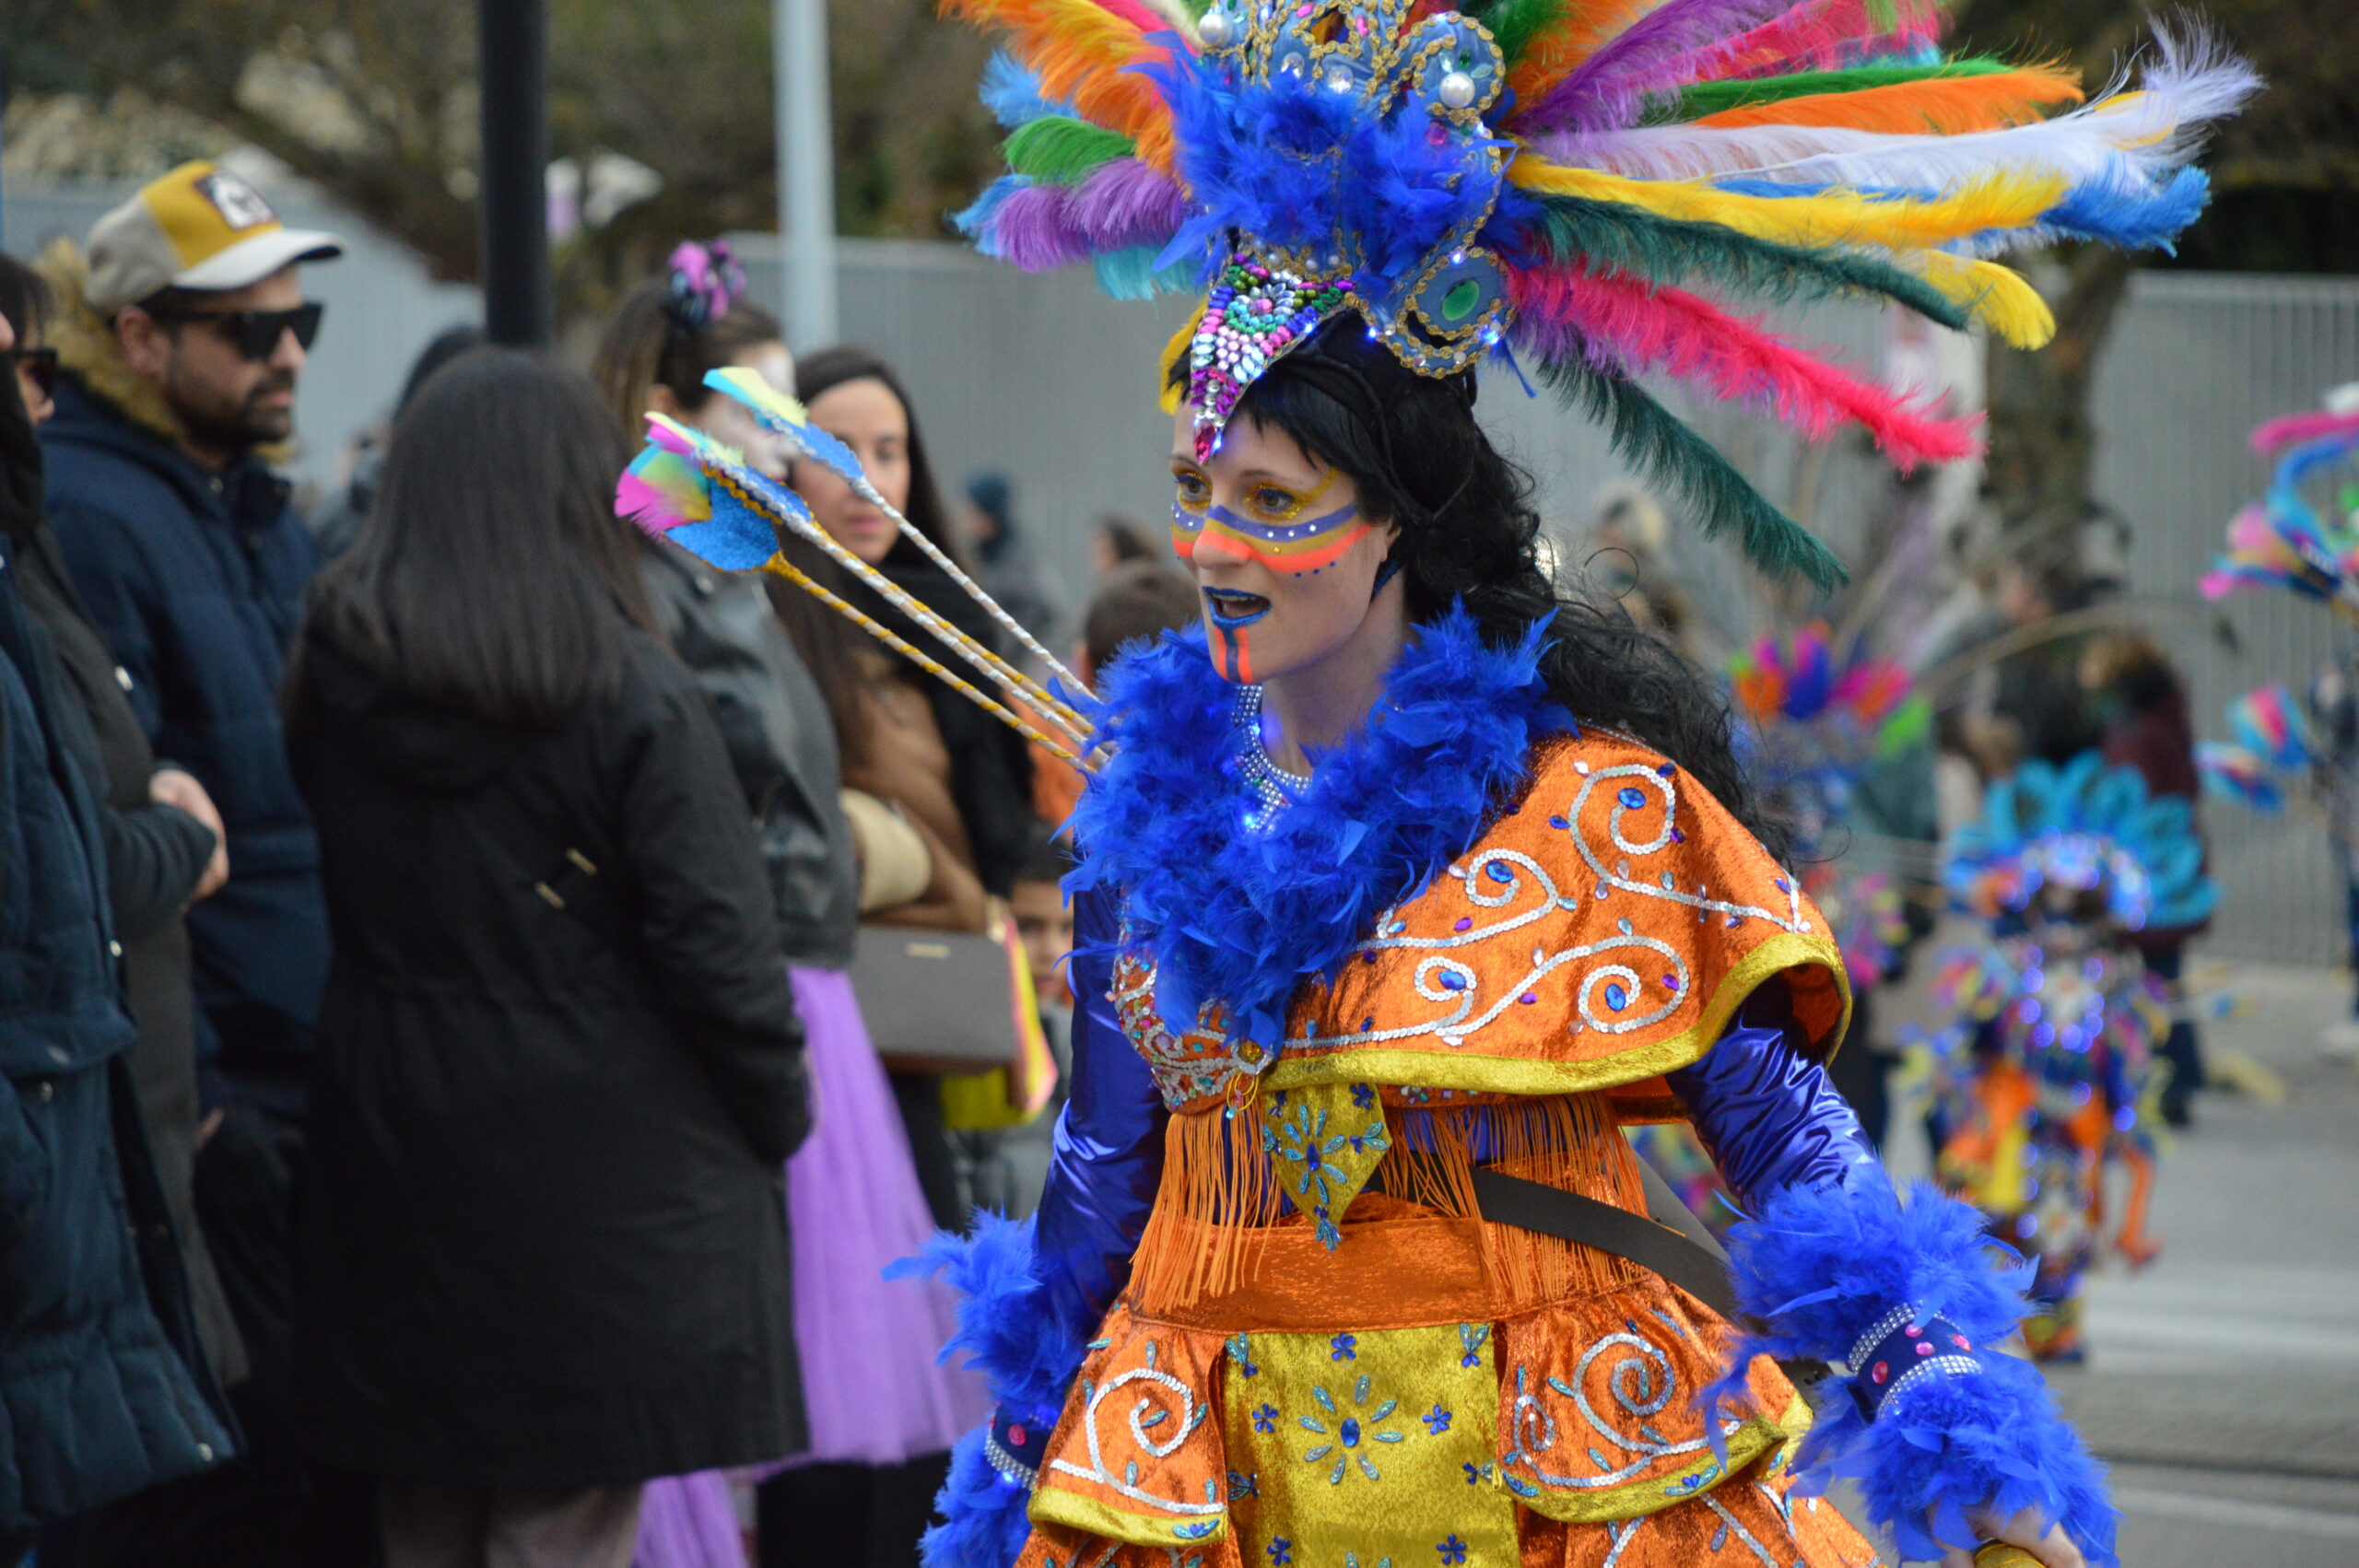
[(782, 415), (694, 492)]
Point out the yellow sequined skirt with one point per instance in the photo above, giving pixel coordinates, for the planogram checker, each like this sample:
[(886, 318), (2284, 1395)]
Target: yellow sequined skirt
[(1387, 1404)]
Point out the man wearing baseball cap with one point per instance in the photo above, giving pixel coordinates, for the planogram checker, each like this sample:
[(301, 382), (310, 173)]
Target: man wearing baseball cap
[(182, 332)]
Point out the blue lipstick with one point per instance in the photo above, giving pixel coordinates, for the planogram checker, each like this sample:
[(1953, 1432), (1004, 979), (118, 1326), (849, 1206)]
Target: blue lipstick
[(1232, 610)]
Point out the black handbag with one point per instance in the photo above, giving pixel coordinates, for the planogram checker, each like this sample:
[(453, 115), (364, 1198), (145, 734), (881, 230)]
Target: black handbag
[(941, 1002)]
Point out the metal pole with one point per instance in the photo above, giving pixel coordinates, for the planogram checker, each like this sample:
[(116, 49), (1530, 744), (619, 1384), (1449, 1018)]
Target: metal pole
[(513, 38), (806, 170)]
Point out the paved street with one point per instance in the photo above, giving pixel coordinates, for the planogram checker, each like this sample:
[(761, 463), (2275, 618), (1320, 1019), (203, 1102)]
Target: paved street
[(2223, 1380)]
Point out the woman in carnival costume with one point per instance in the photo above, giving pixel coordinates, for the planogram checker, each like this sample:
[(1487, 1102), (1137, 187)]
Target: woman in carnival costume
[(1409, 882), (2044, 1077)]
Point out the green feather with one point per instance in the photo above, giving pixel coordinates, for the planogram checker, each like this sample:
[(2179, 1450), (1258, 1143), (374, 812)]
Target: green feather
[(1675, 459), (1641, 244), (1515, 23), (1710, 98), (1057, 149)]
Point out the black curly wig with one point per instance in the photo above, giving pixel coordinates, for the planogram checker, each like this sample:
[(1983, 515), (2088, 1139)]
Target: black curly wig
[(1469, 532)]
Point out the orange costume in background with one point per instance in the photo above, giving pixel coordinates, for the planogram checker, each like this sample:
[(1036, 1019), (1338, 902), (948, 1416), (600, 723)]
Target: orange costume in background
[(1323, 1357)]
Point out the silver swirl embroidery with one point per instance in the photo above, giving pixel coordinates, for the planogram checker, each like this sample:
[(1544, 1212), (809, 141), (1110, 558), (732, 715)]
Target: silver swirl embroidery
[(1509, 886), (1643, 1384), (1619, 878), (1146, 1414)]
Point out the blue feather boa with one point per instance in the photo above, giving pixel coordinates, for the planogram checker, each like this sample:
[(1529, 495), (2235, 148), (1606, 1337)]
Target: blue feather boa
[(1007, 1333), (1245, 917), (1944, 1447)]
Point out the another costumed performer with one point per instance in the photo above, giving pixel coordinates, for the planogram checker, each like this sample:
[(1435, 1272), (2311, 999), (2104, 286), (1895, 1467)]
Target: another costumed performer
[(2045, 1076), (2284, 540), (1409, 882)]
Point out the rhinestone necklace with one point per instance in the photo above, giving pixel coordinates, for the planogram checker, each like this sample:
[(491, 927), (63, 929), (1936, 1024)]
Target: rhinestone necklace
[(1276, 788)]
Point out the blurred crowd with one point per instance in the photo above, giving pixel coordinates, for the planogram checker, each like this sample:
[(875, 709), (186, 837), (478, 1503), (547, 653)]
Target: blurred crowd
[(489, 996)]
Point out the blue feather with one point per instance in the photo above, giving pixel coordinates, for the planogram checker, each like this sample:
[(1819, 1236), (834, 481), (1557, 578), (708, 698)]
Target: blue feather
[(1820, 1266), (1007, 1332), (1244, 917), (1133, 274), (1295, 167), (1011, 90)]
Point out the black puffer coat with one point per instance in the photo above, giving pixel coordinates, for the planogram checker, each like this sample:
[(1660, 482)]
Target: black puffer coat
[(541, 1235)]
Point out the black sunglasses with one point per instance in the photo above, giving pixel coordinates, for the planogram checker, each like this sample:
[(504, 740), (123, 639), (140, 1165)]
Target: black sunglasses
[(256, 332), (40, 364)]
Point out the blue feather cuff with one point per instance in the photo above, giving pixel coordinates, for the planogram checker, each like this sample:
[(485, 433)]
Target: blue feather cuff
[(1007, 1333), (1843, 1274)]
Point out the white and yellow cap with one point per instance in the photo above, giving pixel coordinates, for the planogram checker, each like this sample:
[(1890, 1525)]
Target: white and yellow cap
[(198, 226)]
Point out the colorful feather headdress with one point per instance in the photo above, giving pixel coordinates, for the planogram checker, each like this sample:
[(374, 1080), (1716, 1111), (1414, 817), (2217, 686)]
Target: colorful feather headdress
[(2281, 539), (1569, 182), (2088, 828)]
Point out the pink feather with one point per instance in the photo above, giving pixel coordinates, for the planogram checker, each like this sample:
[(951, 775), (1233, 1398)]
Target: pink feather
[(1814, 35), (2278, 434), (1138, 16), (1620, 323)]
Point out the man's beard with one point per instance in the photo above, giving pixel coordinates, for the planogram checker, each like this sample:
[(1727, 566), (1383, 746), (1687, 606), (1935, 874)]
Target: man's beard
[(236, 428)]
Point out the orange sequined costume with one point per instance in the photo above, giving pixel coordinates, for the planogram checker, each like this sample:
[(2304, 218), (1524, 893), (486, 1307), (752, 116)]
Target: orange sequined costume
[(1434, 1388)]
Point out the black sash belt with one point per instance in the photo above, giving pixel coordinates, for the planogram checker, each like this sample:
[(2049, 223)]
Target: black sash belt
[(1700, 1269)]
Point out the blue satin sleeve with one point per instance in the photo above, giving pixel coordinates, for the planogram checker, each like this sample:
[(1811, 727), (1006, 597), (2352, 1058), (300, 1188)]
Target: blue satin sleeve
[(1766, 1112), (1107, 1158)]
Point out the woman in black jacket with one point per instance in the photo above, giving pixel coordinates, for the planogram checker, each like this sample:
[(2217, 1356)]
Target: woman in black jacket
[(542, 1251)]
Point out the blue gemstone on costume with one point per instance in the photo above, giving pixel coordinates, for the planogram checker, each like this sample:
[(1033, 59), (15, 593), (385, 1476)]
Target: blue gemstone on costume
[(1453, 1550), (1632, 797), (1559, 823), (1452, 981), (1616, 997), (1351, 1431), (1497, 871), (1344, 1348)]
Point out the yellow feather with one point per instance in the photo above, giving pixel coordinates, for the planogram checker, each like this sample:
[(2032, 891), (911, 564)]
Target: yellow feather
[(1175, 352), (1998, 296), (2009, 199), (1081, 52)]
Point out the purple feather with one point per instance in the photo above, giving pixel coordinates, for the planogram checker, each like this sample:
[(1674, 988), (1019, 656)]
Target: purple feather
[(1030, 231), (1660, 51), (1124, 204), (1121, 205)]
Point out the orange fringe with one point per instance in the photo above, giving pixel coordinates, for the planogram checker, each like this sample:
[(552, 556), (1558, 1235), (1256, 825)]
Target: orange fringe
[(1079, 49), (1221, 1200), (1949, 106)]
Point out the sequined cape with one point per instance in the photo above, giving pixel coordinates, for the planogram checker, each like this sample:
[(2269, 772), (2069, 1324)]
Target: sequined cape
[(1319, 1354)]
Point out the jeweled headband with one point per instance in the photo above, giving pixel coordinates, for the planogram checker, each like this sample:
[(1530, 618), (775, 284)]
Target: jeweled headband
[(1570, 183)]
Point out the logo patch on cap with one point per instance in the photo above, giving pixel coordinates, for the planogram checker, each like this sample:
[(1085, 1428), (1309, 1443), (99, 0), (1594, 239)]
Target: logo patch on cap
[(239, 205)]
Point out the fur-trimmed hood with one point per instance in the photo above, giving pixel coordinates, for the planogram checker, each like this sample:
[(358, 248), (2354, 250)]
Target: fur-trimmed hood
[(86, 344)]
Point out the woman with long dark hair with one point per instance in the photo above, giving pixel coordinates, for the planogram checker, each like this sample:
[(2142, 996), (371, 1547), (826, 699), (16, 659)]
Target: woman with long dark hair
[(874, 1395), (954, 787), (542, 1257)]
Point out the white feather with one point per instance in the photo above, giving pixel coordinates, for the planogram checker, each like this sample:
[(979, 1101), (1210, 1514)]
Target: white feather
[(2124, 135)]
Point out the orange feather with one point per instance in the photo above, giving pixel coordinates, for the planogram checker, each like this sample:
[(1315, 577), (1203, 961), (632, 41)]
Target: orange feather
[(1547, 58), (1079, 49), (1949, 105)]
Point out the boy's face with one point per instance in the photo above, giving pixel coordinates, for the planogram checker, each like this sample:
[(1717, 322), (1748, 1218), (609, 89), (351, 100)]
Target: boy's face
[(1045, 925)]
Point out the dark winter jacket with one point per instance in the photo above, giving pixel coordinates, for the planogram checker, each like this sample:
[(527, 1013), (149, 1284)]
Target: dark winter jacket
[(540, 1241), (776, 727), (155, 855), (195, 580), (102, 1390)]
